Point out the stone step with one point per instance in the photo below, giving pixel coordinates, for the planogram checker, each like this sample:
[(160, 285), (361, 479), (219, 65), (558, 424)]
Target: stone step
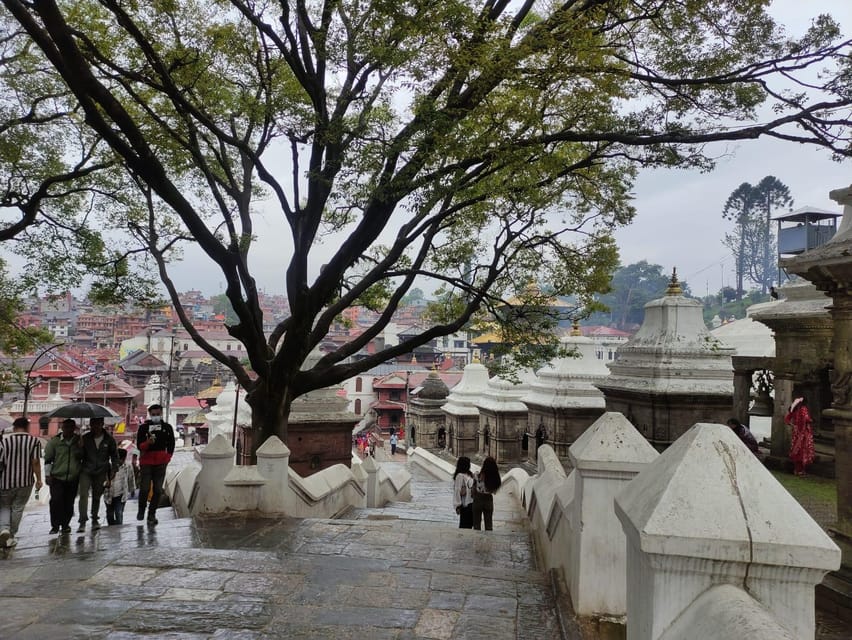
[(834, 596)]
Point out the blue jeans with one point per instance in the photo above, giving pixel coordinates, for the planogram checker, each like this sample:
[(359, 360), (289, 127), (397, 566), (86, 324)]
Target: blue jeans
[(115, 511), (12, 503)]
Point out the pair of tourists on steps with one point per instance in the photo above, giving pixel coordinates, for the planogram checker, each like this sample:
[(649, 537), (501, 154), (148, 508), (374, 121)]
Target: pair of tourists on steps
[(473, 495)]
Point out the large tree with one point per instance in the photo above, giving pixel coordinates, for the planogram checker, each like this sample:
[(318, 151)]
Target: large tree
[(471, 145), (752, 242), (739, 208), (770, 194)]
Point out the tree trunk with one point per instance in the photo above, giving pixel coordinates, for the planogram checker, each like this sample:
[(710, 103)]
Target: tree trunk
[(766, 235), (270, 409), (740, 264)]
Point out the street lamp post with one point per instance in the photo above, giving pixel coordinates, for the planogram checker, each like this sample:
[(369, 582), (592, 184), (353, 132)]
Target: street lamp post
[(30, 384)]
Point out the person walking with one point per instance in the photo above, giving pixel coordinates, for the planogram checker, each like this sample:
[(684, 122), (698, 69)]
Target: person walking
[(100, 462), (62, 460), (20, 469), (156, 443), (486, 484), (463, 492), (394, 440), (802, 441), (119, 489), (744, 434)]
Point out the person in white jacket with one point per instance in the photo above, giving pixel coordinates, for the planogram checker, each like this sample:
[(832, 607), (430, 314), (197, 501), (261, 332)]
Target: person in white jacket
[(463, 493), (116, 491)]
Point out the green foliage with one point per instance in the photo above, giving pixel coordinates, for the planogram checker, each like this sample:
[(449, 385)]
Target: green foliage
[(15, 338), (718, 305), (463, 146), (631, 288)]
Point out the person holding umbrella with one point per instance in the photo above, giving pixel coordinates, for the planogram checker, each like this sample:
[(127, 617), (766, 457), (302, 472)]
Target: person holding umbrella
[(100, 462), (62, 457), (156, 443)]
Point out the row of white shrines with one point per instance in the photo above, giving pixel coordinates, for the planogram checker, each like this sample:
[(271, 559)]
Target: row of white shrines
[(700, 541)]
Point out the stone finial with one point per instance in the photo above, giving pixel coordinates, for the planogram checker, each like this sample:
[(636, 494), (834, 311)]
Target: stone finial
[(219, 447), (612, 443), (575, 328), (738, 512), (674, 288), (273, 448), (369, 465), (707, 512)]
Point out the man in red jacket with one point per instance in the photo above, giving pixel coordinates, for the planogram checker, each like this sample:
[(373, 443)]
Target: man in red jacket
[(156, 442)]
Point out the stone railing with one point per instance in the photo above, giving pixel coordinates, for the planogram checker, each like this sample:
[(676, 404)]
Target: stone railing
[(707, 513), (699, 542), (215, 484)]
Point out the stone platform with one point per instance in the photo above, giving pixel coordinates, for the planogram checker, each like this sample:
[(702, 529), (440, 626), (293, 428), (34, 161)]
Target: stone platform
[(403, 572)]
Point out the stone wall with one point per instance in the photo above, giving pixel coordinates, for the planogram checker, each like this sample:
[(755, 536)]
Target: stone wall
[(214, 484)]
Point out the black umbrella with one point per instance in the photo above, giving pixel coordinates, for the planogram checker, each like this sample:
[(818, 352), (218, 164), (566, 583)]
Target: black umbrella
[(82, 410)]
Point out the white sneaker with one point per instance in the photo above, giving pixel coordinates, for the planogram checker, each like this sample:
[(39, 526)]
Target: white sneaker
[(5, 534), (11, 542)]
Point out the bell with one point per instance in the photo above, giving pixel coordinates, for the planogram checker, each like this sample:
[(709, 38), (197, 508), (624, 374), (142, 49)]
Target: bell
[(763, 405)]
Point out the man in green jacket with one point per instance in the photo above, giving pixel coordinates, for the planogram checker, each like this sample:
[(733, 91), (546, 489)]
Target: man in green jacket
[(62, 461)]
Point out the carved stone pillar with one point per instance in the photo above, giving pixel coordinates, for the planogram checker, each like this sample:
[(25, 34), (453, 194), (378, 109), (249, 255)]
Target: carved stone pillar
[(841, 407), (829, 267)]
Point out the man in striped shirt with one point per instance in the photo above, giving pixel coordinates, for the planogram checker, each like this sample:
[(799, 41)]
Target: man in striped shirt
[(20, 454)]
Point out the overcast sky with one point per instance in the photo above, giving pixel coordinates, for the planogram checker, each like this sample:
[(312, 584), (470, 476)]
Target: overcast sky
[(678, 220)]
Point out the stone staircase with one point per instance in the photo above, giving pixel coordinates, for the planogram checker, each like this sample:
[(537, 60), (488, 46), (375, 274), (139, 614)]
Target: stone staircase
[(402, 572)]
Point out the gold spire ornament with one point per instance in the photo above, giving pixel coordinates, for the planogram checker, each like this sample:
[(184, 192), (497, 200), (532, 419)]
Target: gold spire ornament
[(674, 286), (575, 329)]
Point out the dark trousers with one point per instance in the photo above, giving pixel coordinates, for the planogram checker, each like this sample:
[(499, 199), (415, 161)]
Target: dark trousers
[(115, 511), (466, 517), (62, 496), (151, 474), (483, 506), (93, 482)]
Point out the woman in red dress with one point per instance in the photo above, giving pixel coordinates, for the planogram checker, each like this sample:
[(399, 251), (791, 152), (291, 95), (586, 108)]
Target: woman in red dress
[(802, 445)]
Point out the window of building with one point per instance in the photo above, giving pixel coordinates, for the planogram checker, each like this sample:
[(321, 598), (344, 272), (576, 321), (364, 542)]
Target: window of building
[(358, 385), (358, 405), (458, 344), (53, 387), (395, 395)]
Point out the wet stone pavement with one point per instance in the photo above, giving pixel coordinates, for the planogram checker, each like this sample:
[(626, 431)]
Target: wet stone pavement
[(403, 572)]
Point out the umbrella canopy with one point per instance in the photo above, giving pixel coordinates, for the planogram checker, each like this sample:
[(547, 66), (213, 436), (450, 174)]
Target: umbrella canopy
[(82, 410)]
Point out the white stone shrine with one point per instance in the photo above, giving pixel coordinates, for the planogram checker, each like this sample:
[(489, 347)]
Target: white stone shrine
[(462, 421), (563, 399), (672, 373)]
